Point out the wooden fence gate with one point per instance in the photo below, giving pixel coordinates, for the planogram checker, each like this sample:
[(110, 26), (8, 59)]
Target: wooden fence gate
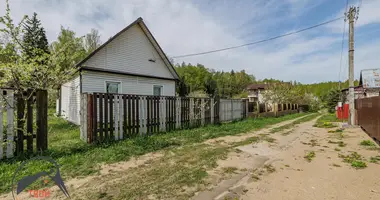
[(23, 126)]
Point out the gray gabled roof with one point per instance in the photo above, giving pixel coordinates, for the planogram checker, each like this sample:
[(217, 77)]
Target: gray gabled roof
[(151, 38)]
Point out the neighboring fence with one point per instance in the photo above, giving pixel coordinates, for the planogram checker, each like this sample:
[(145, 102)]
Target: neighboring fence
[(232, 109), (252, 106), (265, 107), (368, 115), (118, 116), (273, 110), (17, 131), (304, 108)]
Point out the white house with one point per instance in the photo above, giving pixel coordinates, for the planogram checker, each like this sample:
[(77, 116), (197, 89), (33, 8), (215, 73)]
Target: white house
[(255, 92), (131, 62)]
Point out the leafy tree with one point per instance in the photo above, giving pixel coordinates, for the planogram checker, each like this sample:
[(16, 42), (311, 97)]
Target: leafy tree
[(211, 87), (182, 88), (70, 46), (278, 92), (331, 99), (224, 84), (92, 41), (21, 71)]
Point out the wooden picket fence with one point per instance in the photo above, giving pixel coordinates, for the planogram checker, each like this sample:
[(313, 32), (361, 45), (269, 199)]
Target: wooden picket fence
[(24, 126), (118, 116)]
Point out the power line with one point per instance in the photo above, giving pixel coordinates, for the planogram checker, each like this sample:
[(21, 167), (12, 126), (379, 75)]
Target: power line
[(258, 42), (341, 52)]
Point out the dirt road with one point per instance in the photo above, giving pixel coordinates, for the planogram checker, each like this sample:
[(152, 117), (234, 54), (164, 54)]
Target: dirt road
[(297, 162), (305, 163)]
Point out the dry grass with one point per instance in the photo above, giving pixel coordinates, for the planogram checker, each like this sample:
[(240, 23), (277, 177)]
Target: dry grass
[(229, 170), (336, 165), (269, 168), (165, 178), (374, 159)]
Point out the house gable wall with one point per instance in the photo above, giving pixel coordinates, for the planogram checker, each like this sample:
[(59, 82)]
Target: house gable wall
[(130, 52)]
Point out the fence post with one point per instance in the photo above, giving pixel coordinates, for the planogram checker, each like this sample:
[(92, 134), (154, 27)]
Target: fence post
[(246, 108), (191, 111), (143, 116), (212, 110), (90, 119), (20, 124), (242, 109), (223, 109), (121, 117), (163, 110), (10, 117), (275, 109), (41, 119), (202, 111), (232, 109), (217, 111), (83, 116), (116, 117), (265, 107), (1, 125), (179, 112), (258, 106)]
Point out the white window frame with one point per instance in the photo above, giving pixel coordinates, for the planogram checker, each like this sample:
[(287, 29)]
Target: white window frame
[(112, 81), (162, 89)]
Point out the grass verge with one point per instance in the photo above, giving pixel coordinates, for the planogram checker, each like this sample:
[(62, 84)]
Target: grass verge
[(298, 121), (326, 121), (76, 158)]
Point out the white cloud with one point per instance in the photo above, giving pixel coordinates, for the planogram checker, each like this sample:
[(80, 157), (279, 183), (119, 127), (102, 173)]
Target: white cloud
[(191, 26), (368, 14)]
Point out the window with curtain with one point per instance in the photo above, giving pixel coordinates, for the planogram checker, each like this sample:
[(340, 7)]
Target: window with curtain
[(113, 87), (157, 90)]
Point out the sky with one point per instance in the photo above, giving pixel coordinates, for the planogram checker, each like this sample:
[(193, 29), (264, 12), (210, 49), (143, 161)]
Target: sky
[(193, 26)]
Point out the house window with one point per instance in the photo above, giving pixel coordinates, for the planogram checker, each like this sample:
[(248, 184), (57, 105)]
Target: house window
[(113, 87), (157, 90)]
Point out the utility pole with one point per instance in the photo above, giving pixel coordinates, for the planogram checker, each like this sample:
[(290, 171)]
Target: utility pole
[(351, 15)]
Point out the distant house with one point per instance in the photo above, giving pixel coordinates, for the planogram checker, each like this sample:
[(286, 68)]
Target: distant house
[(358, 91), (131, 62), (255, 92), (369, 85)]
